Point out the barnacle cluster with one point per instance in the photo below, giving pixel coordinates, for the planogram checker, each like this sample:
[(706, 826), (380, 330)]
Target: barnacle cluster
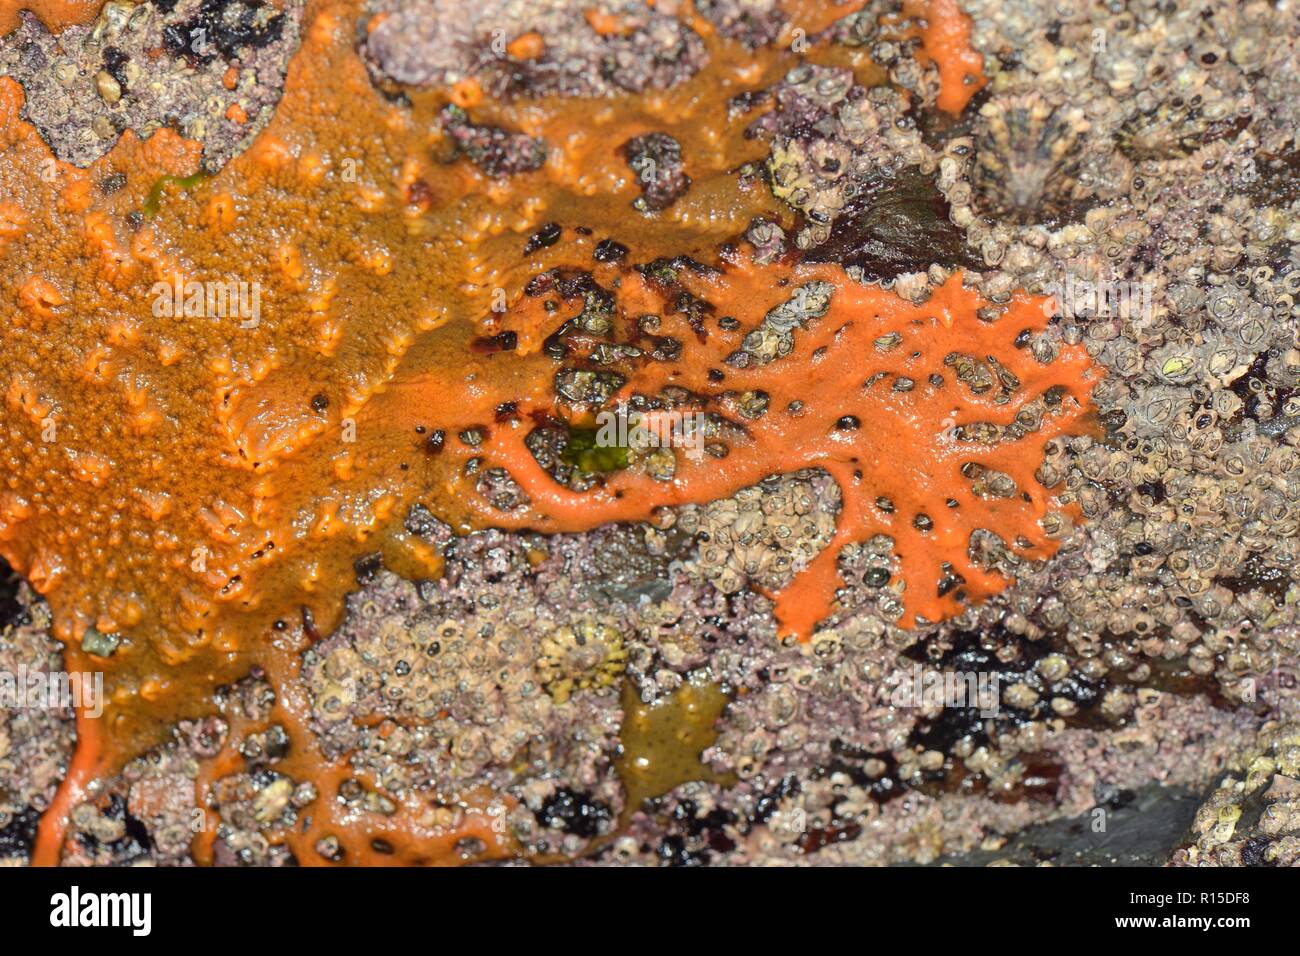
[(831, 139), (1201, 354), (1253, 817), (572, 50), (89, 83), (761, 534), (467, 687), (35, 741)]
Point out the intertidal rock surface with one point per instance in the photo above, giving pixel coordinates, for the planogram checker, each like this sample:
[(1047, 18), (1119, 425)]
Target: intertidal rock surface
[(966, 342)]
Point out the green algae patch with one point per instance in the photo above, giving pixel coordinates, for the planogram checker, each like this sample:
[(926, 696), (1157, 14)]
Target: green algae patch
[(152, 201)]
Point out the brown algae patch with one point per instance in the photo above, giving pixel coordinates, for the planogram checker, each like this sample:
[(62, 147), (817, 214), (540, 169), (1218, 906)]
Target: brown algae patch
[(662, 742)]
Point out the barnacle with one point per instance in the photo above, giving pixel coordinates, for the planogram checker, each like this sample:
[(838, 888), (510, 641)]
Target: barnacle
[(1173, 130)]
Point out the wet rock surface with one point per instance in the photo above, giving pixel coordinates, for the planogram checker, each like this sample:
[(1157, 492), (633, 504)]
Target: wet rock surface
[(1149, 152), (1128, 828)]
